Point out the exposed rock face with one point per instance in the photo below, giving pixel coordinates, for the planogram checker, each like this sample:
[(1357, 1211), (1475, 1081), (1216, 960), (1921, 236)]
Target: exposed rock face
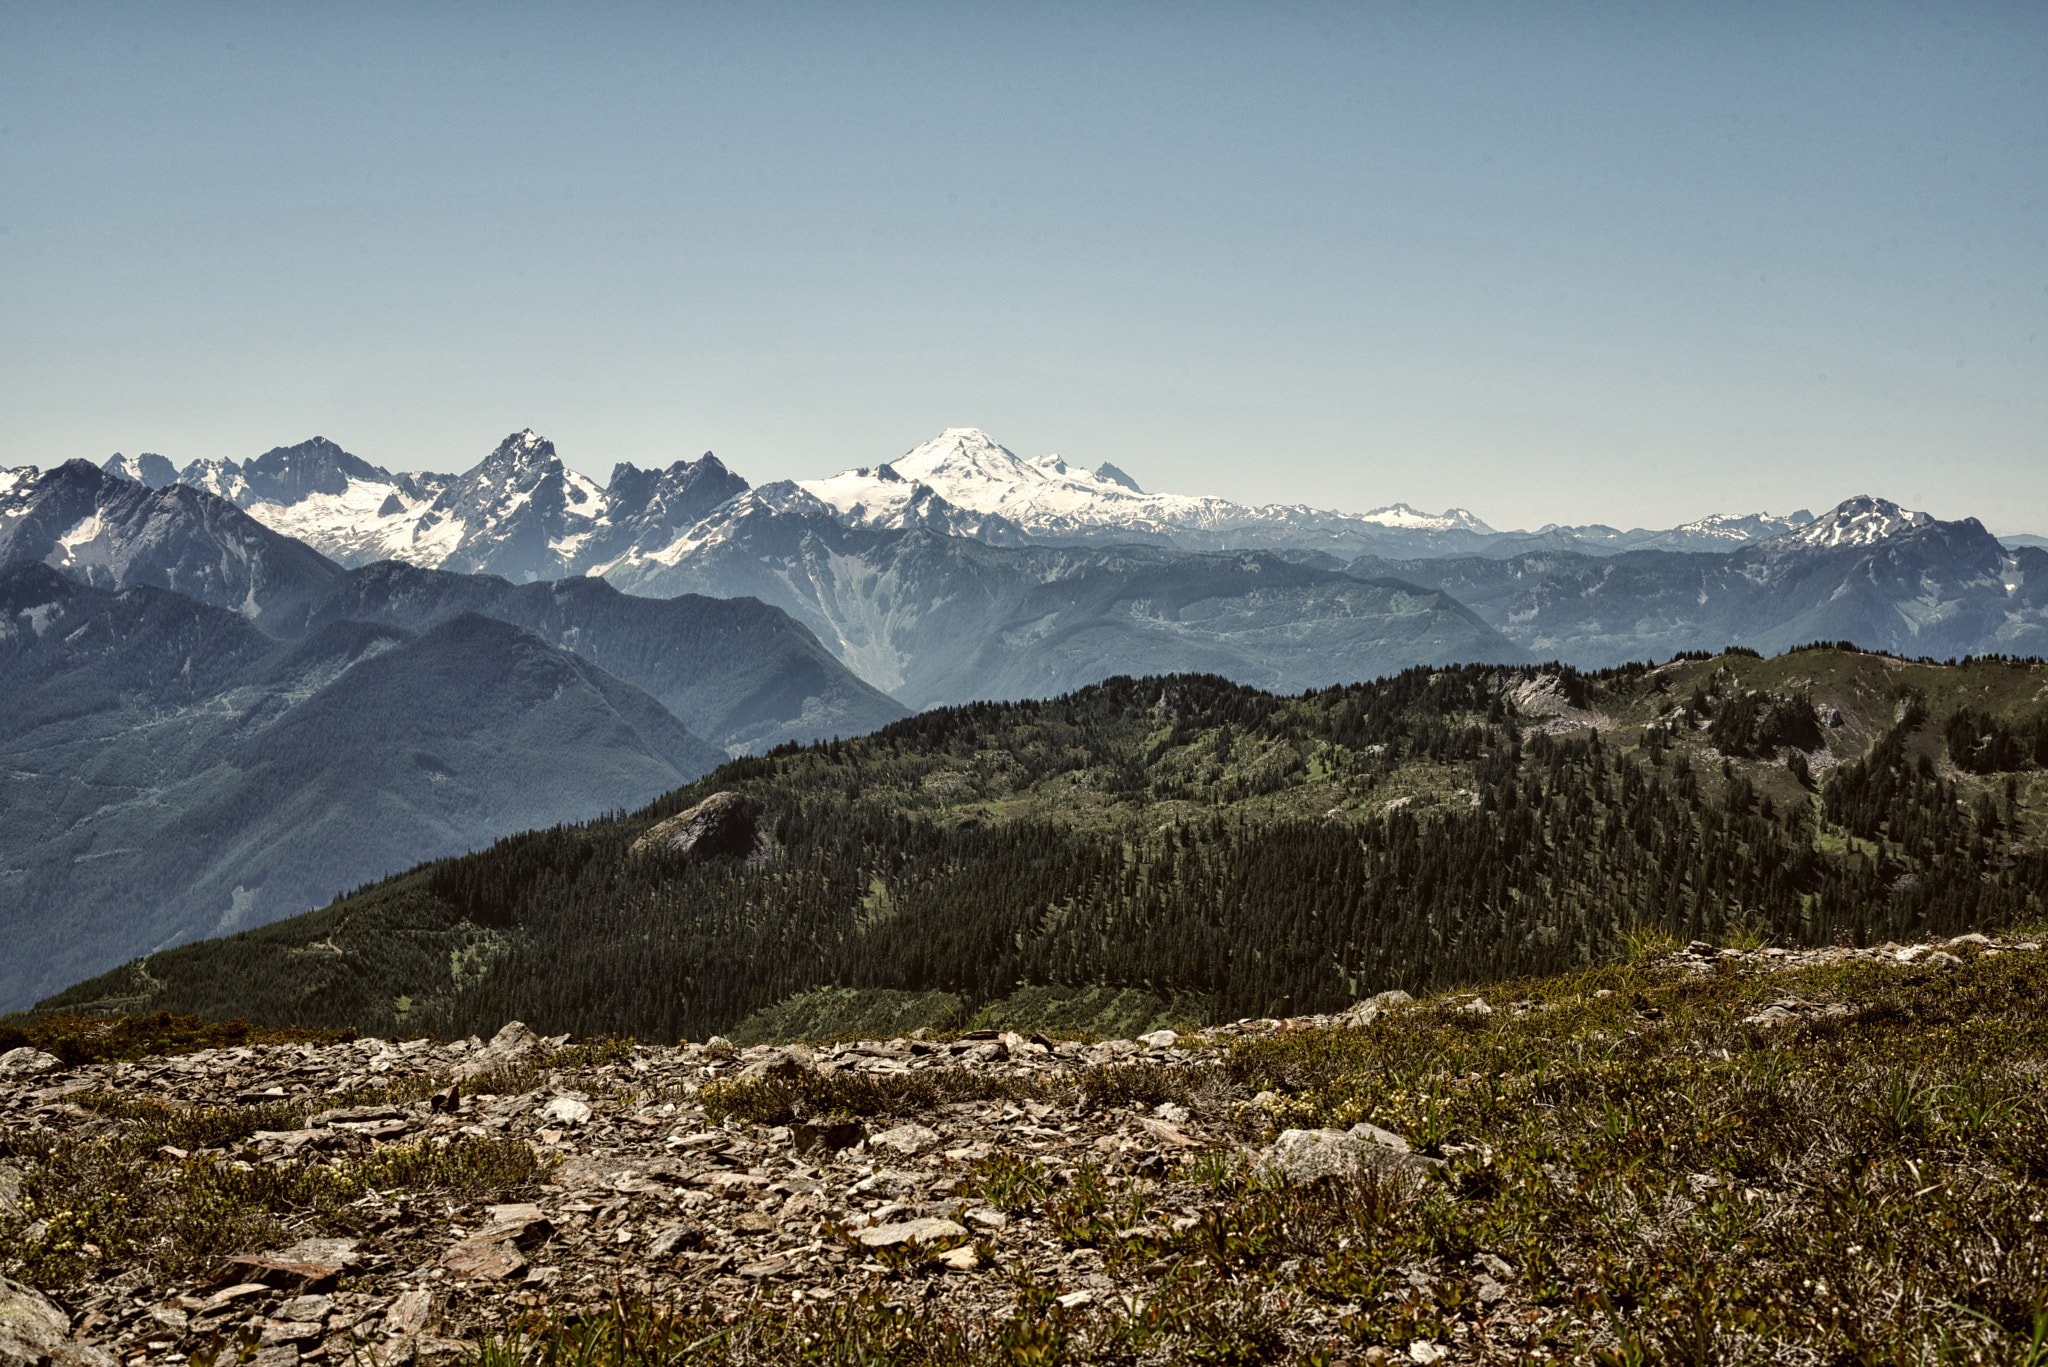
[(722, 824), (35, 1333)]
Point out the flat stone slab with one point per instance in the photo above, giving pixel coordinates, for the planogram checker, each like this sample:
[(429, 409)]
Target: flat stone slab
[(909, 1232)]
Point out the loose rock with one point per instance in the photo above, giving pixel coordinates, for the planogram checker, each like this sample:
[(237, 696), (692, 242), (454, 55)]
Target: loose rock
[(906, 1139), (909, 1232)]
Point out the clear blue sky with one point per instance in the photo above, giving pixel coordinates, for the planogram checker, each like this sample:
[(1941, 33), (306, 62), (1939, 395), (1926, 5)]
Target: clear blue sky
[(1628, 264)]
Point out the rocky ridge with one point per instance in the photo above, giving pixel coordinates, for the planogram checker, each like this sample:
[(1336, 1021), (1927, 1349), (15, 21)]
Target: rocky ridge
[(656, 1176)]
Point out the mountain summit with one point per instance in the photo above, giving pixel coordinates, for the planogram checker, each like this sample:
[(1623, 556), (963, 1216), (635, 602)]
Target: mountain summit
[(1049, 500), (1859, 521)]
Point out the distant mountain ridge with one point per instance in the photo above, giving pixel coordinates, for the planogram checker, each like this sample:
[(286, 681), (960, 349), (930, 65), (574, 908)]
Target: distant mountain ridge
[(1867, 571), (742, 675), (114, 533), (1050, 501), (174, 772), (524, 514), (735, 670), (935, 618), (841, 555), (210, 725), (520, 513), (929, 601)]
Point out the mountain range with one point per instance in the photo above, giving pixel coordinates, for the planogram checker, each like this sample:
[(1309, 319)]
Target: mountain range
[(325, 603), (938, 619), (1866, 571), (524, 514), (740, 674), (960, 570), (212, 725), (173, 772)]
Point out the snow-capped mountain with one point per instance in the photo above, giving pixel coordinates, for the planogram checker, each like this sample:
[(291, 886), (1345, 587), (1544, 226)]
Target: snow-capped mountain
[(1724, 530), (148, 469), (1716, 532), (1866, 571), (1859, 521), (524, 514), (337, 503), (1051, 501), (1409, 519), (520, 513), (114, 533)]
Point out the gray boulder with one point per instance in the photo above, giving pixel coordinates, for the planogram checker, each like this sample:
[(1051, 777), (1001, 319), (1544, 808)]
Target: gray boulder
[(905, 1139), (782, 1064), (25, 1060), (1312, 1155), (1375, 1005), (910, 1232), (35, 1333), (513, 1042)]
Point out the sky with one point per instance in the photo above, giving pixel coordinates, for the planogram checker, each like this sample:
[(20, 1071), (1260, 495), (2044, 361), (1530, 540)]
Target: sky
[(1553, 263)]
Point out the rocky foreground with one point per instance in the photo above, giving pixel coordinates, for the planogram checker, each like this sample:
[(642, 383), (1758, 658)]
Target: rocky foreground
[(376, 1200)]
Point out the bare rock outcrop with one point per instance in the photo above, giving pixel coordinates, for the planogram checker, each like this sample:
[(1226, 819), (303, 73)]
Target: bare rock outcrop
[(722, 824), (34, 1333)]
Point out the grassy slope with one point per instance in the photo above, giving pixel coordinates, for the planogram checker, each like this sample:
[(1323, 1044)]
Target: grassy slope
[(1663, 1181)]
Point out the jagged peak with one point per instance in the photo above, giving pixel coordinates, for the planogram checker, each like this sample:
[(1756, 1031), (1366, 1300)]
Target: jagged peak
[(313, 444), (525, 446), (1117, 477), (148, 469)]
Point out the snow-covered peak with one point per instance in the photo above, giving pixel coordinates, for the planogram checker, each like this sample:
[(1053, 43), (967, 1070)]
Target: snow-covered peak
[(1046, 498), (1734, 529), (1859, 521), (222, 478), (1117, 477), (1409, 519), (148, 468), (524, 447), (970, 469)]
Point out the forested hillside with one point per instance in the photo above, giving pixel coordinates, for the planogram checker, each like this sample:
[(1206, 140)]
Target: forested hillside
[(1223, 851)]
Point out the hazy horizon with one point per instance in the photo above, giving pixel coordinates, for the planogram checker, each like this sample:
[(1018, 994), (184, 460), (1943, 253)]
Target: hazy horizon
[(1587, 264)]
